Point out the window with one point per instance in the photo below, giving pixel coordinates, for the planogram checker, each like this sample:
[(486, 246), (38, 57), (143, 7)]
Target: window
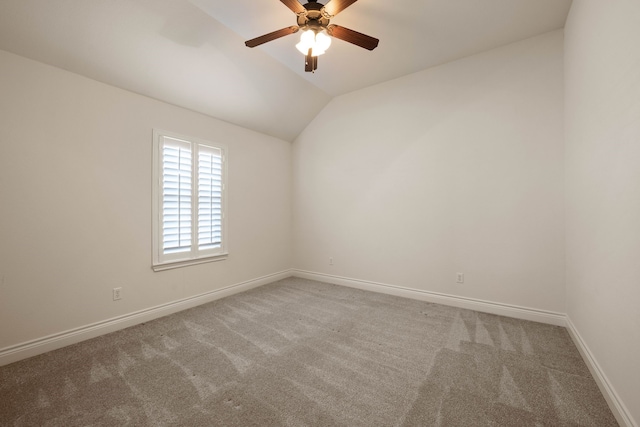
[(188, 201)]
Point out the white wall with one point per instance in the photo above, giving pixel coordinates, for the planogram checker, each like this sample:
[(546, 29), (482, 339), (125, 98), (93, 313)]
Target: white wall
[(602, 73), (457, 168), (75, 202)]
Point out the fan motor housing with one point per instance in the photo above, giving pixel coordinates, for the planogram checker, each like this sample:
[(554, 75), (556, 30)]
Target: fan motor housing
[(314, 19)]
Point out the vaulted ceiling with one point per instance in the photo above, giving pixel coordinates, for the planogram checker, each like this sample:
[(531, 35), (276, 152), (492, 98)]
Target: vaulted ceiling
[(191, 53)]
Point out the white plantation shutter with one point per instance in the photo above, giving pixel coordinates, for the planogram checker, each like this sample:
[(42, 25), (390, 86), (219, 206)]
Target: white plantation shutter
[(176, 196), (209, 197), (188, 201)]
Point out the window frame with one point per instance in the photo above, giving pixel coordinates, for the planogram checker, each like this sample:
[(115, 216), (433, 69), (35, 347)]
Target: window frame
[(160, 260)]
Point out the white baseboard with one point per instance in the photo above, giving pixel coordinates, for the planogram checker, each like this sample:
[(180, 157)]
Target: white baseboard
[(620, 411), (55, 341), (508, 310)]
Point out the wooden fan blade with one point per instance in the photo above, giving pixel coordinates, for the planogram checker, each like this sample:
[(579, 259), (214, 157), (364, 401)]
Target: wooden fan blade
[(271, 36), (295, 6), (354, 37), (310, 62), (336, 6)]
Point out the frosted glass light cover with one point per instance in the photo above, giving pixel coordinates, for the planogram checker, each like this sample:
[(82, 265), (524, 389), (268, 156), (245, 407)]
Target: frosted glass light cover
[(323, 41), (318, 43)]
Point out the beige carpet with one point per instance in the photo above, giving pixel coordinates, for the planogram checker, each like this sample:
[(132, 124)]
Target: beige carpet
[(304, 353)]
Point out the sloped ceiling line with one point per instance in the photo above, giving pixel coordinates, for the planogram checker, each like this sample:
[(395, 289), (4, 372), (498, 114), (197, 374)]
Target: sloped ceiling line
[(191, 53)]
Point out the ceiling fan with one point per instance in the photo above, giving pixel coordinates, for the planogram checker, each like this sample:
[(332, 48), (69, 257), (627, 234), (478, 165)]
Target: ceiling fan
[(313, 18)]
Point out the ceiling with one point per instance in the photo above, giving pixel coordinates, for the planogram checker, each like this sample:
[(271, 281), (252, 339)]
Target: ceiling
[(191, 53)]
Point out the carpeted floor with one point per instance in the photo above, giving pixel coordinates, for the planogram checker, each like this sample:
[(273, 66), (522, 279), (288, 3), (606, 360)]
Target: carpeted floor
[(299, 352)]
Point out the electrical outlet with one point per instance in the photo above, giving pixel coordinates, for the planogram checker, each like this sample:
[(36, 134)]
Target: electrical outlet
[(117, 294), (460, 277), (330, 261)]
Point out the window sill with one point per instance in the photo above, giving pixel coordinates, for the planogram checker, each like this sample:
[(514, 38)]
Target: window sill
[(184, 263)]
